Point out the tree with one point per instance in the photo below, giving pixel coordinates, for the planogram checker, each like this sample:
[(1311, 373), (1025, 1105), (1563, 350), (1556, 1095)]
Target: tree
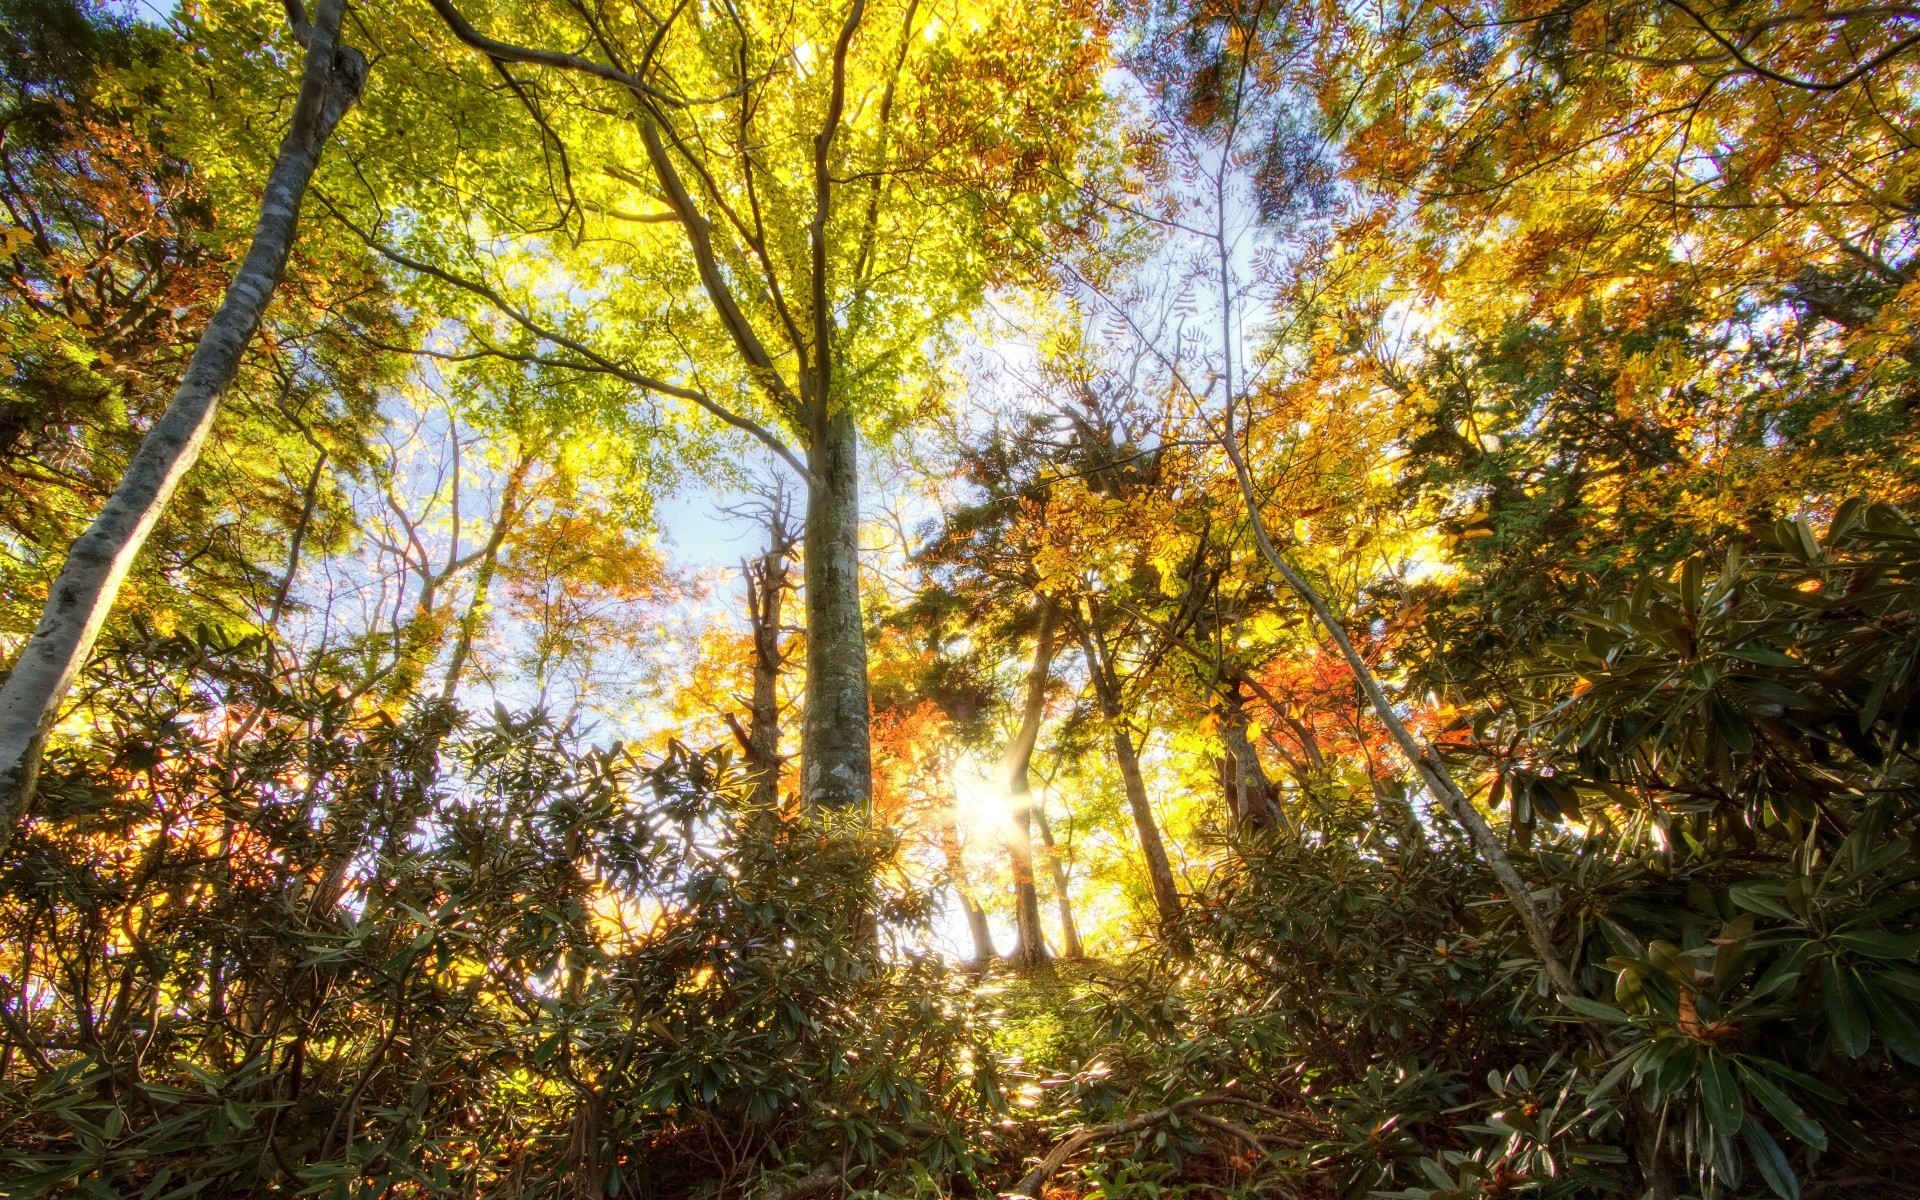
[(831, 185), (768, 580), (1031, 948), (100, 558)]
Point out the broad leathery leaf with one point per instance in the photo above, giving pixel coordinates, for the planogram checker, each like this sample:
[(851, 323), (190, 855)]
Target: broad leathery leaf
[(1612, 1078), (1781, 1107), (1772, 1161), (1733, 726), (1785, 971), (1892, 1022), (1879, 943), (1762, 897), (1846, 1013), (1596, 1010), (1726, 1107)]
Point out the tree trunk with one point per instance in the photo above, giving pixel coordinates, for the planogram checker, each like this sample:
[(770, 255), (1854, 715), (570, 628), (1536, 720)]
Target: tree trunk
[(835, 756), (475, 616), (1063, 900), (1166, 897), (1250, 794), (767, 584), (1031, 948), (1424, 759), (957, 872), (99, 558)]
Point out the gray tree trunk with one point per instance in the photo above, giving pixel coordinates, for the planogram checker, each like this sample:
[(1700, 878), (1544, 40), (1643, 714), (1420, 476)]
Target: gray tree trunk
[(1166, 898), (99, 558), (767, 584), (836, 767), (1106, 688), (1423, 758), (1031, 948), (1070, 946), (1250, 794), (475, 616)]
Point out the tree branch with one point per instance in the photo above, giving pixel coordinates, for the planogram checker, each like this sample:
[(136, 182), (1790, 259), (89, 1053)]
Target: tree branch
[(1812, 85), (598, 361), (507, 51), (822, 209)]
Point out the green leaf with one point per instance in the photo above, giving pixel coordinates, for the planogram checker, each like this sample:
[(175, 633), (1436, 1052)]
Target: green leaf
[(1726, 1107), (1595, 1010), (1733, 726), (1879, 943), (1892, 1022), (1612, 1078), (1785, 971), (1781, 1107), (1764, 898), (1846, 1014), (1772, 1161)]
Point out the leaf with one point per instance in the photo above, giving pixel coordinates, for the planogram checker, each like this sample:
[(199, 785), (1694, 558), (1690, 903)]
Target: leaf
[(1782, 1108), (1892, 1022), (1764, 898), (1726, 1107), (1612, 1078), (1733, 726), (1785, 971), (1595, 1010), (1846, 1014), (1772, 1161), (1879, 943)]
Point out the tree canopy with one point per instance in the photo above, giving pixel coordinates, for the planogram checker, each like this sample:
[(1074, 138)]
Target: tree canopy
[(926, 598)]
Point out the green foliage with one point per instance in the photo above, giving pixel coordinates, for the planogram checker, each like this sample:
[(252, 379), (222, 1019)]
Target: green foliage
[(1714, 785), (302, 955)]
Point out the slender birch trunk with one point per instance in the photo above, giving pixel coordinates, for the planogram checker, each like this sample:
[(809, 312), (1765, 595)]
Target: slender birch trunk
[(475, 616), (1424, 759), (1250, 794), (766, 594), (1031, 949), (99, 558)]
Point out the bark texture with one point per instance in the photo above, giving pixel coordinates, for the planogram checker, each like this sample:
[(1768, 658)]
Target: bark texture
[(1070, 946), (1106, 687), (835, 754), (1251, 797), (98, 561), (1031, 948), (1424, 759), (767, 584)]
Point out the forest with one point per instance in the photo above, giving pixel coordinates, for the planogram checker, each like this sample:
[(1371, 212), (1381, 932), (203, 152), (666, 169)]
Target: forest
[(923, 599)]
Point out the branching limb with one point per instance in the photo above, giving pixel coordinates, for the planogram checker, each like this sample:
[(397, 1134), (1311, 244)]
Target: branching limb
[(508, 52), (1424, 759), (1738, 54), (822, 209), (593, 359)]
